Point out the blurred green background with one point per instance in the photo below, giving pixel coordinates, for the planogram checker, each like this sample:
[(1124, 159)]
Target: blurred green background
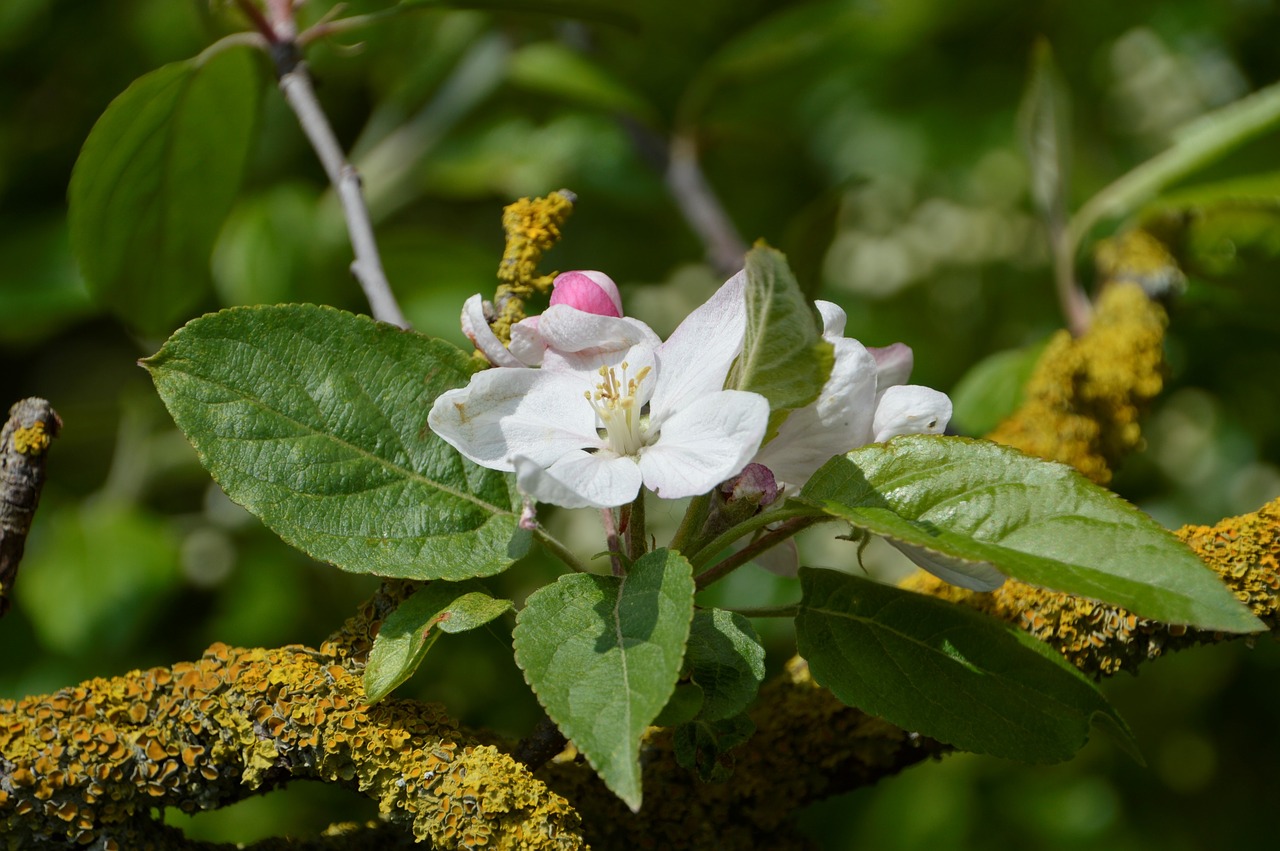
[(874, 142)]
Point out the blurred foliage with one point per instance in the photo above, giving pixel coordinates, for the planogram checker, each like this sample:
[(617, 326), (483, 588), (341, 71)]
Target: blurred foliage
[(874, 142)]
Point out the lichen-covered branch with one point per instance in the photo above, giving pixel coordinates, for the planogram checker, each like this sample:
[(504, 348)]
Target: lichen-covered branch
[(87, 764)]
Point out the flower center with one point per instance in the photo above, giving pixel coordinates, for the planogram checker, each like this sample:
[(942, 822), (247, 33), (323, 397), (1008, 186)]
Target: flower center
[(616, 405)]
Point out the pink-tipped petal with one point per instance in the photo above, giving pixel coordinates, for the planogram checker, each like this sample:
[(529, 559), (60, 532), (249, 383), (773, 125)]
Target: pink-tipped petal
[(893, 365), (591, 292)]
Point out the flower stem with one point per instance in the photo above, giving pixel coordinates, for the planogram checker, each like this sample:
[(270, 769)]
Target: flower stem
[(558, 549), (789, 610), (611, 540), (694, 516), (637, 545), (728, 565), (712, 548)]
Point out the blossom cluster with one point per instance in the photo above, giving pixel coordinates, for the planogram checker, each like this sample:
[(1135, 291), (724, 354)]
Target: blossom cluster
[(587, 405)]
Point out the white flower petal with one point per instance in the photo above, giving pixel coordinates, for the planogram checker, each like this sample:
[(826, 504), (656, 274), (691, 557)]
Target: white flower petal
[(568, 329), (705, 443), (526, 341), (838, 421), (911, 409), (974, 575), (893, 364), (505, 412), (580, 479), (475, 325), (833, 319), (695, 359)]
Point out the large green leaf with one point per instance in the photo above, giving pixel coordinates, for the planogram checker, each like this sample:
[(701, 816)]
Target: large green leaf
[(316, 421), (603, 654), (155, 180), (726, 661), (784, 357), (945, 671), (409, 632), (1036, 520)]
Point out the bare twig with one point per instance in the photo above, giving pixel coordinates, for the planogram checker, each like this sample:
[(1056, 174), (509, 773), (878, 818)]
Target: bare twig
[(24, 440), (701, 207), (280, 30), (367, 267)]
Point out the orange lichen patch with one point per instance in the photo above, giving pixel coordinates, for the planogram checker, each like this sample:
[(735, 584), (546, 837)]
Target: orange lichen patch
[(91, 762), (32, 440), (1085, 398), (1102, 640)]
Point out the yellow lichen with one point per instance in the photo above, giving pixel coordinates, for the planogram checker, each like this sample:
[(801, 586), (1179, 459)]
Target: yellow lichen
[(532, 227), (89, 762), (32, 440), (1085, 398)]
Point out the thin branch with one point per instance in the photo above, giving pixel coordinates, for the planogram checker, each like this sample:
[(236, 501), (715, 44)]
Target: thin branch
[(771, 539), (701, 206), (612, 541), (552, 543), (367, 266)]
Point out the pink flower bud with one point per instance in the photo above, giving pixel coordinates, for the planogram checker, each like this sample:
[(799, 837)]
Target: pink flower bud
[(590, 292)]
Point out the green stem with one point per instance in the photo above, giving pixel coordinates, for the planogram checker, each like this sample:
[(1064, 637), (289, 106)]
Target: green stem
[(708, 552), (728, 565), (562, 552), (637, 545), (1203, 142), (790, 610), (611, 540), (694, 516)]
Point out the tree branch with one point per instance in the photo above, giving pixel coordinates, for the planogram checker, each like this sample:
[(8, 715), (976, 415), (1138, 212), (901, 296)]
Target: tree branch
[(295, 84)]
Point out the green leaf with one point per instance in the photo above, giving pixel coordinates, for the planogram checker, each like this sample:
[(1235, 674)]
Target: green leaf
[(316, 421), (703, 746), (945, 671), (1035, 520), (684, 705), (1253, 191), (603, 654), (549, 67), (726, 660), (408, 633), (784, 357), (993, 388), (1200, 143), (155, 180), (1044, 127)]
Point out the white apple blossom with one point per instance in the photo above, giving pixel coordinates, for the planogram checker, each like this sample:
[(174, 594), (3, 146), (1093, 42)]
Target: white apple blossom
[(576, 431)]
